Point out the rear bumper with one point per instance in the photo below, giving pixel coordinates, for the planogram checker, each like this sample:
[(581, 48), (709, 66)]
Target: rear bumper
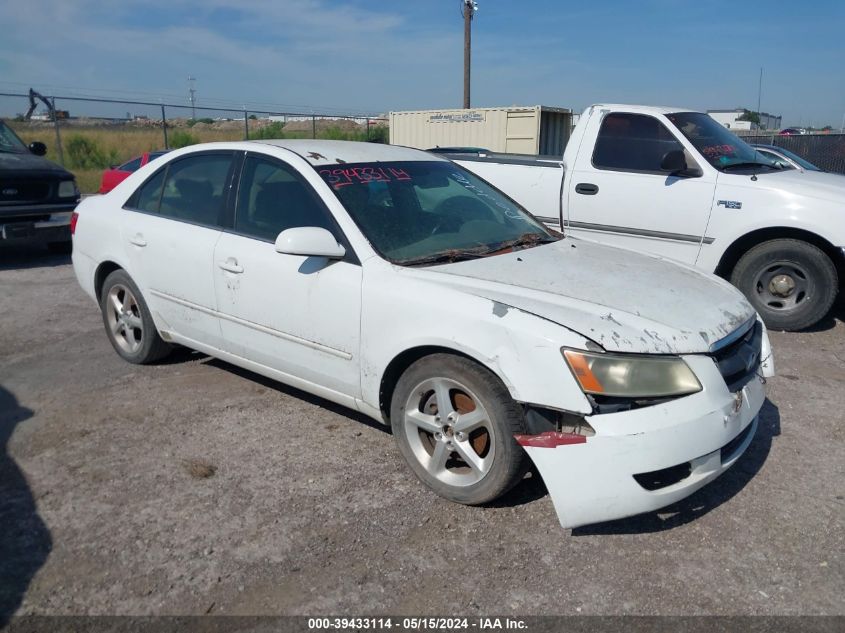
[(645, 459), (51, 224)]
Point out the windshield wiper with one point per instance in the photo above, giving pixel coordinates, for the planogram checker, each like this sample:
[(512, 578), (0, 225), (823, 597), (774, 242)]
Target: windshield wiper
[(747, 165), (525, 240), (450, 256), (457, 254)]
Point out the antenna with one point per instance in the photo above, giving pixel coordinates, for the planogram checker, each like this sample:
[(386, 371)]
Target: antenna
[(192, 96), (468, 9)]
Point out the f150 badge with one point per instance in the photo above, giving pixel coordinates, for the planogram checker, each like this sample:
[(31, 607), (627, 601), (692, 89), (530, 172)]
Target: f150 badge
[(730, 204)]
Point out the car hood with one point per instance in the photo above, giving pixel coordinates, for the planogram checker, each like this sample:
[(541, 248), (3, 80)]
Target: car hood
[(812, 184), (26, 163), (622, 300)]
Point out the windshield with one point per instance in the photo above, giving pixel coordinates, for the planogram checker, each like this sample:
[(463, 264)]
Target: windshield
[(431, 211), (721, 148), (9, 141)]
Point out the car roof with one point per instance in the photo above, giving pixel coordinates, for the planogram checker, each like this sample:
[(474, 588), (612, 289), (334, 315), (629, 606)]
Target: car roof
[(321, 152), (642, 108)]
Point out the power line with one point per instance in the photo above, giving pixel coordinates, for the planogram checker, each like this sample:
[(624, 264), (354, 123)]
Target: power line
[(160, 97)]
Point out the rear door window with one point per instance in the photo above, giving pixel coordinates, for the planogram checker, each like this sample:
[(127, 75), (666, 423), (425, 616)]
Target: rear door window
[(147, 198), (195, 188)]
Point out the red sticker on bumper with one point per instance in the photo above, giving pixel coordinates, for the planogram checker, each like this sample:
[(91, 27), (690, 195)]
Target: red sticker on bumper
[(549, 439)]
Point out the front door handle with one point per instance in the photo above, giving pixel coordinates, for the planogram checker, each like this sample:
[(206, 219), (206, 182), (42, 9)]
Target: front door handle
[(231, 265), (586, 188), (138, 240)]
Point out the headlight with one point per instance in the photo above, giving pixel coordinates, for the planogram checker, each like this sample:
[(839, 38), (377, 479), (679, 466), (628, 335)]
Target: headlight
[(631, 376), (67, 189)]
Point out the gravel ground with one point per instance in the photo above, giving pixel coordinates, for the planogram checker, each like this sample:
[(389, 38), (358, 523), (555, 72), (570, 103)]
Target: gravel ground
[(194, 487)]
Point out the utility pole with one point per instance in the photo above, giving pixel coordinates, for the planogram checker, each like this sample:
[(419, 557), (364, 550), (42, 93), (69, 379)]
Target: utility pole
[(759, 96), (192, 92), (468, 9)]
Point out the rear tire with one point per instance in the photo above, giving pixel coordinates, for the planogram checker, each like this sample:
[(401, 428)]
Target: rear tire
[(464, 450), (128, 322), (791, 283)]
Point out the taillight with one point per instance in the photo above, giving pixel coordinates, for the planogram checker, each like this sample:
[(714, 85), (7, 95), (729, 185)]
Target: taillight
[(73, 218)]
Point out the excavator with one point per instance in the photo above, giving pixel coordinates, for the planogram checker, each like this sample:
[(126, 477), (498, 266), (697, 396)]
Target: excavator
[(51, 112)]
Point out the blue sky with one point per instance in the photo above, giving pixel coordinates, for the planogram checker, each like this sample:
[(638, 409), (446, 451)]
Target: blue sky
[(378, 56)]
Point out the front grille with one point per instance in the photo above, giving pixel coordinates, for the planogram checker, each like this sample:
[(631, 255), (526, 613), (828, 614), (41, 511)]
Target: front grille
[(739, 361), (18, 191)]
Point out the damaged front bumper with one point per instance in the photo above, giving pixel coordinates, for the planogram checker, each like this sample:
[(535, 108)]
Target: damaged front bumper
[(648, 458)]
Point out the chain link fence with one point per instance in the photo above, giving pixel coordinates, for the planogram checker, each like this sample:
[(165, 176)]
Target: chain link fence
[(826, 151), (87, 134)]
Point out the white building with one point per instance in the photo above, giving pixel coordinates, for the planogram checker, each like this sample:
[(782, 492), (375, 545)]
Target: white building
[(731, 120)]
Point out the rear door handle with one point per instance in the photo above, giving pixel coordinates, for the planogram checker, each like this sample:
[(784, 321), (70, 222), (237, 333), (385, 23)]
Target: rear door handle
[(231, 265), (138, 240), (586, 188)]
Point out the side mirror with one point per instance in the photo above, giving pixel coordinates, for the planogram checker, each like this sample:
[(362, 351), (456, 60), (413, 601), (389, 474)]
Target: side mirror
[(38, 148), (310, 241), (674, 162)]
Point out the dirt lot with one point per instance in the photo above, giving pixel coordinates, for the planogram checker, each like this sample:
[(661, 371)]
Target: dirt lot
[(193, 487)]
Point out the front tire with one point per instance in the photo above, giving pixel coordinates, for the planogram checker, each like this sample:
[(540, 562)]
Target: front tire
[(129, 324), (791, 283), (455, 422)]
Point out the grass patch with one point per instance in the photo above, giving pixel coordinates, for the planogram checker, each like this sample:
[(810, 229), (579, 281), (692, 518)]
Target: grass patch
[(180, 138), (199, 469), (89, 150)]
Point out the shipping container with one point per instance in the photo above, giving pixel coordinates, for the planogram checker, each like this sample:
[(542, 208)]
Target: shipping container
[(515, 130)]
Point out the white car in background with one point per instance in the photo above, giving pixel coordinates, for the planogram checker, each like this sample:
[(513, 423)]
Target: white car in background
[(401, 285), (785, 158)]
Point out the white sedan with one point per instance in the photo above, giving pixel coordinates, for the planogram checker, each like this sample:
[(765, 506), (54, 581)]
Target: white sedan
[(401, 285)]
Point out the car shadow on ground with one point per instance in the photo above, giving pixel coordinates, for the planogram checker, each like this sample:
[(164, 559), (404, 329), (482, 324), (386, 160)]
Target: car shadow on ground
[(269, 383), (532, 488), (706, 499), (529, 489), (25, 541), (30, 255)]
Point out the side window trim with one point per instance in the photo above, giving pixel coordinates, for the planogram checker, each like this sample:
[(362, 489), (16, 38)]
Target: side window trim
[(629, 170), (232, 188), (351, 257)]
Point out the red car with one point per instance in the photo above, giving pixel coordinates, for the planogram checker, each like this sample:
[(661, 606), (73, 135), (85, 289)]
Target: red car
[(113, 176)]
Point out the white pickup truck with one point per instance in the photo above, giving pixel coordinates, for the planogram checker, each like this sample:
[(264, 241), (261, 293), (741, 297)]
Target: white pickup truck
[(676, 183)]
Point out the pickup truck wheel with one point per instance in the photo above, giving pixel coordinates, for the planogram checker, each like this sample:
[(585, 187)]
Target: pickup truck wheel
[(128, 322), (454, 422), (791, 283)]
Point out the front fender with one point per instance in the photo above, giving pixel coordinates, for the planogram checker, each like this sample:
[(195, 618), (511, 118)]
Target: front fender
[(523, 350)]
